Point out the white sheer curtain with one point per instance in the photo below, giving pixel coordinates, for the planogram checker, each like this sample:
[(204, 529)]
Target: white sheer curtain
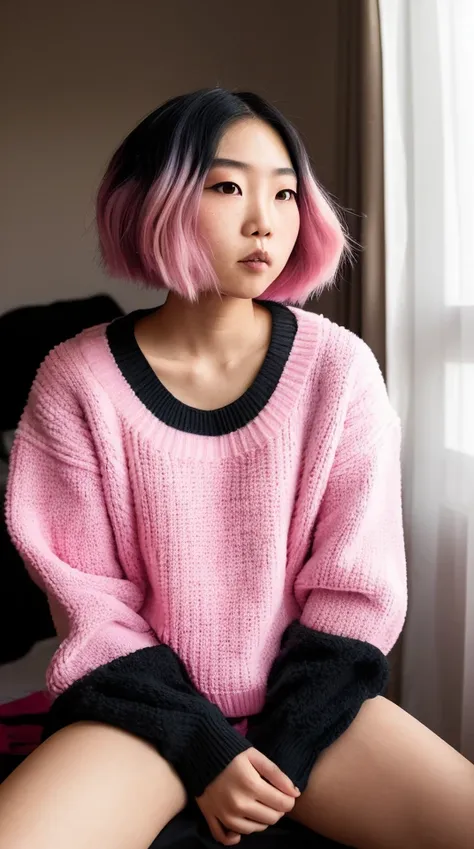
[(428, 60)]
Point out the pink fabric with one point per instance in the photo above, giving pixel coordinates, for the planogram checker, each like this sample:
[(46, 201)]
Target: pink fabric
[(140, 533), (22, 739), (39, 702)]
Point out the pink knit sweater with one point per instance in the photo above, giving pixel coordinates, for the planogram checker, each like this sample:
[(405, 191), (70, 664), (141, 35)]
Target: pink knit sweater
[(144, 533)]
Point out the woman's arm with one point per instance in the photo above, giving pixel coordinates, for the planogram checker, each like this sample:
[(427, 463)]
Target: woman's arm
[(109, 666), (58, 519), (351, 591)]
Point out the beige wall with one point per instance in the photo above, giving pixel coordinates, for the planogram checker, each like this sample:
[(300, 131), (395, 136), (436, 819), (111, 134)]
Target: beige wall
[(76, 76)]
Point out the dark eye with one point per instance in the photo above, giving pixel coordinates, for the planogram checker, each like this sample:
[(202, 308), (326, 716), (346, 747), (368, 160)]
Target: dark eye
[(289, 192), (226, 188)]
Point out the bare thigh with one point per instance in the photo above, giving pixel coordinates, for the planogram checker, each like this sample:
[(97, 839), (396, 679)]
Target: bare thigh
[(390, 783), (90, 786)]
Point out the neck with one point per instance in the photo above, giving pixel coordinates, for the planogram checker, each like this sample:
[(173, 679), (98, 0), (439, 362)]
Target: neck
[(218, 327)]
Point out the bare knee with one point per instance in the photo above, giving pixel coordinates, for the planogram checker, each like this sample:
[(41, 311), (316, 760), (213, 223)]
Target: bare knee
[(89, 785)]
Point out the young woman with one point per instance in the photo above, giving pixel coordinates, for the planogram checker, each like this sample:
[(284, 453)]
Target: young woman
[(209, 494)]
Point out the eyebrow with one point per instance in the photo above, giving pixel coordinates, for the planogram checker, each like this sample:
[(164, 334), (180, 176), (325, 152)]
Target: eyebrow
[(234, 163)]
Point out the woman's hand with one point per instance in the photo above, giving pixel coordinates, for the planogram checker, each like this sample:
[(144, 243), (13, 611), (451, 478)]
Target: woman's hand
[(249, 795)]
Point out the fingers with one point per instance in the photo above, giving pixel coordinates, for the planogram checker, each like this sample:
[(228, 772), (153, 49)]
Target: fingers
[(227, 838), (242, 825), (263, 814), (233, 838), (273, 798), (267, 769)]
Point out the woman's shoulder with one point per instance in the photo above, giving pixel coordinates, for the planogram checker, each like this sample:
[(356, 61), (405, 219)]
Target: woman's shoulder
[(347, 385), (68, 367), (338, 353)]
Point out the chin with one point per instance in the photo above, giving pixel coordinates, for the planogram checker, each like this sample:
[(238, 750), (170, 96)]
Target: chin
[(245, 290)]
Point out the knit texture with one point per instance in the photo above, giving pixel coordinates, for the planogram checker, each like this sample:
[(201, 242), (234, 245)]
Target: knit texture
[(144, 533)]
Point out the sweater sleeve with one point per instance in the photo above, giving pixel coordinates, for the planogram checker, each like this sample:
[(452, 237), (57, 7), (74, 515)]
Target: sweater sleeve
[(109, 666), (351, 591)]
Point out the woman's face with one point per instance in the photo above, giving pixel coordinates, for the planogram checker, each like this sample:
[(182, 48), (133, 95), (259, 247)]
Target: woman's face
[(249, 204)]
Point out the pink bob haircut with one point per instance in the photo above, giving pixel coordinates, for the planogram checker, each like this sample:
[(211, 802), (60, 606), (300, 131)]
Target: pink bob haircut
[(148, 200)]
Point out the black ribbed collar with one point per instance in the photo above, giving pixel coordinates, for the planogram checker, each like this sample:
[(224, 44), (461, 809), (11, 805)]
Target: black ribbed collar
[(151, 392)]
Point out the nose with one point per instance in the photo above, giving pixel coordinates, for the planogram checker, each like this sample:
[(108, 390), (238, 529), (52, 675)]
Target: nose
[(258, 221)]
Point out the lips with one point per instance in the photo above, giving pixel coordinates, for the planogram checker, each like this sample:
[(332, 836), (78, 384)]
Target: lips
[(257, 256)]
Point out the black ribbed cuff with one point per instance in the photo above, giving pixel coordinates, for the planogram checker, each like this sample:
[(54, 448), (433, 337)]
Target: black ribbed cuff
[(296, 753), (211, 750), (316, 688), (149, 694)]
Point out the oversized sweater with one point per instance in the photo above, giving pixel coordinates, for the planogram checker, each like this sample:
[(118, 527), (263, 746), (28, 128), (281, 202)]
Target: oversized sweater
[(219, 578)]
